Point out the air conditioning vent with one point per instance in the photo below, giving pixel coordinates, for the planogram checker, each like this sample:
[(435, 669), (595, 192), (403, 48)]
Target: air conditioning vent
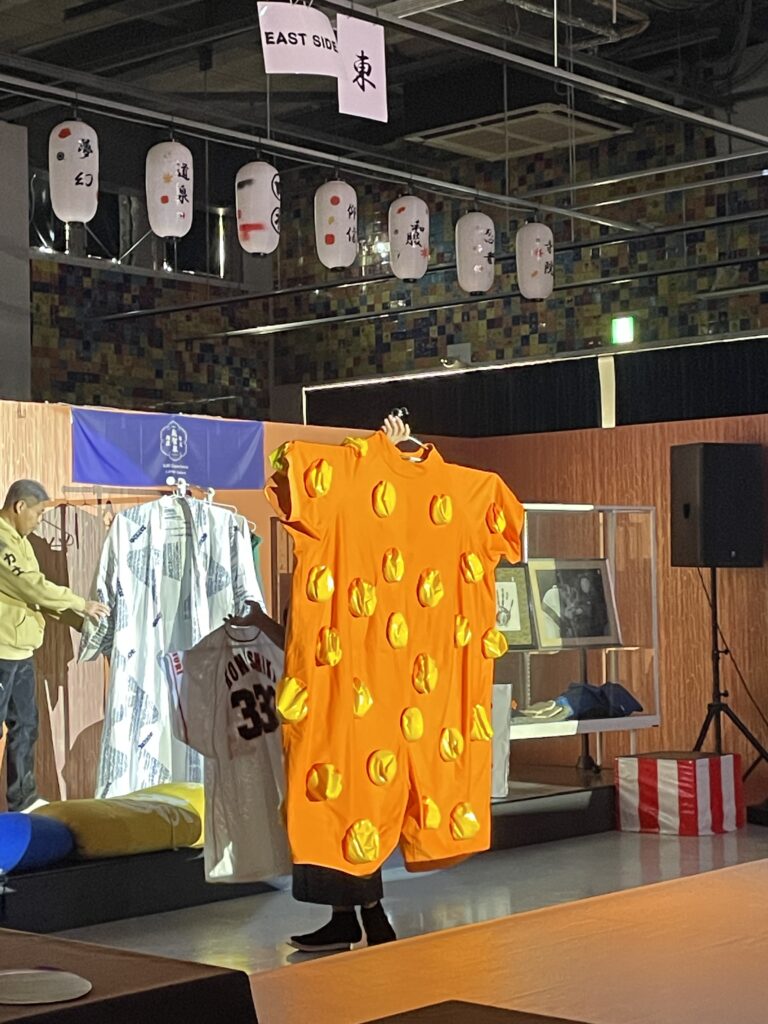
[(519, 133)]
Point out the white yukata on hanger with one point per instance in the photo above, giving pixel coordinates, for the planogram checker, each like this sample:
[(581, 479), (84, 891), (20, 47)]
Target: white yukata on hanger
[(171, 571)]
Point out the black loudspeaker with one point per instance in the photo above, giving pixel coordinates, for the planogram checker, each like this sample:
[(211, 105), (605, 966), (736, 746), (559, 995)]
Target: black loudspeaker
[(717, 504)]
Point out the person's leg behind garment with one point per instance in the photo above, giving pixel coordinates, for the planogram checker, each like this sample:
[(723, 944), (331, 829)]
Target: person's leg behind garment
[(343, 893), (21, 717)]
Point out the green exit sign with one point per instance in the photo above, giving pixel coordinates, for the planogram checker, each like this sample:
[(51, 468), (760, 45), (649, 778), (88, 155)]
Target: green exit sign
[(622, 330)]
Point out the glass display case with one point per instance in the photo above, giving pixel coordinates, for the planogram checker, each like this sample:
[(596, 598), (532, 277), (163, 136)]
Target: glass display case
[(582, 610)]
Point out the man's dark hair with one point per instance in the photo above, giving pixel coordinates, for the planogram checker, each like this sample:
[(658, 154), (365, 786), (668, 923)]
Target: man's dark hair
[(28, 491)]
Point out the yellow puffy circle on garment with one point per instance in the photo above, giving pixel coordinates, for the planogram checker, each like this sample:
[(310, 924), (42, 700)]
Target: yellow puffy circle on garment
[(471, 567), (320, 584), (481, 726), (361, 843), (317, 479), (384, 499), (382, 767), (324, 782), (451, 744), (412, 724), (291, 697), (431, 590), (358, 444), (277, 458), (363, 698), (424, 676), (464, 823), (328, 650), (362, 598), (462, 634), (397, 630), (495, 519), (393, 565), (430, 813), (441, 510), (494, 643)]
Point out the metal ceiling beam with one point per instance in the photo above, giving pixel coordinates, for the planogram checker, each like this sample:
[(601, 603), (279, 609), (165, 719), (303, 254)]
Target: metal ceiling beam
[(648, 172), (579, 82), (303, 153), (690, 186)]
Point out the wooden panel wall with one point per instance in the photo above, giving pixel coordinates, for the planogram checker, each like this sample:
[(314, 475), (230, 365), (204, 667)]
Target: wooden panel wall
[(35, 442), (630, 465)]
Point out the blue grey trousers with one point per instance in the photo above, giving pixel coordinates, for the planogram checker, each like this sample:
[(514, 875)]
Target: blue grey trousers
[(18, 709)]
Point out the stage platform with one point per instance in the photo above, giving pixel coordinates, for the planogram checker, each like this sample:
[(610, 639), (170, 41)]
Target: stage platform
[(544, 804), (689, 951), (77, 894)]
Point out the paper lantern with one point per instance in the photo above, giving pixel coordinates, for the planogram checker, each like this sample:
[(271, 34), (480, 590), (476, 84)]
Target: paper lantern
[(257, 199), (535, 251), (73, 171), (475, 239), (336, 224), (170, 184), (409, 237)]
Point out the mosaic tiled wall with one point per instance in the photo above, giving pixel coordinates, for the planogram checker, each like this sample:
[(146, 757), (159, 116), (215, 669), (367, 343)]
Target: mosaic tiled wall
[(661, 275), (173, 361)]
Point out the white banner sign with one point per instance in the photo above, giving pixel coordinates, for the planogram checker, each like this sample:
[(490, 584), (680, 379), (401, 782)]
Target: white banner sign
[(363, 69), (297, 40)]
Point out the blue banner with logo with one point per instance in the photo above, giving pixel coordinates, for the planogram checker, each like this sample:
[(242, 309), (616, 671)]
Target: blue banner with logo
[(127, 449)]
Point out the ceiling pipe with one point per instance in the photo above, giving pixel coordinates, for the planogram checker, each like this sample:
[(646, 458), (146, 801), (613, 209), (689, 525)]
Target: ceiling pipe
[(604, 34)]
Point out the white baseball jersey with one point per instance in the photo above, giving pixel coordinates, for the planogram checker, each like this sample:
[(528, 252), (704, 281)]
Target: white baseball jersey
[(223, 692)]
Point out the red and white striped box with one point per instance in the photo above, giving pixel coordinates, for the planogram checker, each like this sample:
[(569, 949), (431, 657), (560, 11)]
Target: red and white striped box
[(679, 794)]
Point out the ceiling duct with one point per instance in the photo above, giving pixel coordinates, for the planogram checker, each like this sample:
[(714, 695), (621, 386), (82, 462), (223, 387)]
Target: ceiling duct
[(518, 133)]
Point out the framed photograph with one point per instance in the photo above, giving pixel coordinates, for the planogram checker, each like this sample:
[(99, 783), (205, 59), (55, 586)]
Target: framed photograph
[(513, 606), (573, 603)]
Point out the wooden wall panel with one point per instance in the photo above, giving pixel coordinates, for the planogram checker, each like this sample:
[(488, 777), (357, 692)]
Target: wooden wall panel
[(627, 465), (630, 465)]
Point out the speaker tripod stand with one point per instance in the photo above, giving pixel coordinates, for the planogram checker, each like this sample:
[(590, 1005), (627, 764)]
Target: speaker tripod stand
[(717, 707)]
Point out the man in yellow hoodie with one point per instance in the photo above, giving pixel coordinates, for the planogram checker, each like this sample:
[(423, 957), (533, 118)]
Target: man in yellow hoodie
[(24, 594)]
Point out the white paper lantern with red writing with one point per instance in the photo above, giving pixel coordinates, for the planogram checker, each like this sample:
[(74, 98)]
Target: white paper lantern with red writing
[(73, 171), (535, 251), (475, 261), (409, 238), (336, 224), (257, 200), (170, 189)]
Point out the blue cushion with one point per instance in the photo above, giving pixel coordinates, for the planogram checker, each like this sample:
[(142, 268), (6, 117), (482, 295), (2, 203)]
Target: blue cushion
[(32, 841)]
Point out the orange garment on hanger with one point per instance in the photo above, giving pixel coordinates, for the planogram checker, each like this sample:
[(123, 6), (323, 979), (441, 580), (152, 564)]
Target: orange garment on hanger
[(389, 660)]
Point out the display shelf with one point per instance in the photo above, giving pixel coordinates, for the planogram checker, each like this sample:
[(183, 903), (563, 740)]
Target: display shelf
[(536, 730), (614, 546)]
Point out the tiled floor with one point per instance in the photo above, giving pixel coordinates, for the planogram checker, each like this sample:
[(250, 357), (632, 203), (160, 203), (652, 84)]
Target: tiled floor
[(250, 934)]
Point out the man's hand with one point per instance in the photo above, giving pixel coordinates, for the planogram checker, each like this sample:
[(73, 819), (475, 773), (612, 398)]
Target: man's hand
[(396, 429), (95, 611)]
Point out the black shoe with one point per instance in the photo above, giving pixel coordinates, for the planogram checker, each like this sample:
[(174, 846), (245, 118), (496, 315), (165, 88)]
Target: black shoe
[(341, 932), (377, 927)]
